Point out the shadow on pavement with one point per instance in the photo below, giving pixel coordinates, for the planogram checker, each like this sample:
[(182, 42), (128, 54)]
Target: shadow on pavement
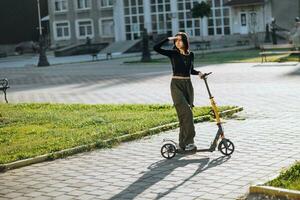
[(161, 169), (295, 72), (89, 77), (34, 80)]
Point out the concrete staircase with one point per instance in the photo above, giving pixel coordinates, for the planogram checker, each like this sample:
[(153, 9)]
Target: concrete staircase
[(80, 49), (122, 47)]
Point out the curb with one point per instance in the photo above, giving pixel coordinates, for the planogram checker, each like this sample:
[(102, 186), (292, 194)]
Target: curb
[(105, 143), (274, 192)]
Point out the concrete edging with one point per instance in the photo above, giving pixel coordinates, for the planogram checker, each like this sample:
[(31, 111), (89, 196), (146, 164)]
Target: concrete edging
[(274, 192), (105, 143)]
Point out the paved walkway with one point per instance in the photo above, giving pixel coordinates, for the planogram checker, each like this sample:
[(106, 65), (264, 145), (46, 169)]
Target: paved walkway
[(267, 140)]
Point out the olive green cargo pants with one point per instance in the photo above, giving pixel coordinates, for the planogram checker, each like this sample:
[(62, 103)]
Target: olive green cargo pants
[(182, 92)]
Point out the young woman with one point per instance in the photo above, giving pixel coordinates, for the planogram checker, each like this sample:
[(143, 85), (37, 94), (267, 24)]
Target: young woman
[(182, 60)]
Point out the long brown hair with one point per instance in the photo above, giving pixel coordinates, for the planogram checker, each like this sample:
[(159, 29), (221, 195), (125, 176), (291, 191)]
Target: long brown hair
[(185, 40)]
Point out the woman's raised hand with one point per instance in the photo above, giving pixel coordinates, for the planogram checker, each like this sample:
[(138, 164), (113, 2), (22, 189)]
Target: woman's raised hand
[(172, 38)]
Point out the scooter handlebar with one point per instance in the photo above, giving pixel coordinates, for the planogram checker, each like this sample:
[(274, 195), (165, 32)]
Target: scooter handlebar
[(206, 74)]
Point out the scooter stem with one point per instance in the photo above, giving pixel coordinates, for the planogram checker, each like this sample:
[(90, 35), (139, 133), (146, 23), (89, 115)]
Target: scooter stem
[(209, 94), (215, 109), (212, 101)]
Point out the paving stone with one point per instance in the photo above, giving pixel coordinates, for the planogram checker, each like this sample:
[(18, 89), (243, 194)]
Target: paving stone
[(54, 194), (13, 195), (20, 198)]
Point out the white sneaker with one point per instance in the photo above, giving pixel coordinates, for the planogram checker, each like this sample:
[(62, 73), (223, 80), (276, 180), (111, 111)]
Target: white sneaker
[(190, 147)]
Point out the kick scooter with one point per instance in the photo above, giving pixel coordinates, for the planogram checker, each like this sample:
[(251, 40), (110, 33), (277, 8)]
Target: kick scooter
[(171, 148)]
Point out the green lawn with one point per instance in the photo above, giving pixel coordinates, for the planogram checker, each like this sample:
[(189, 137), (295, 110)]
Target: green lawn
[(288, 179), (28, 130), (241, 56), (229, 57)]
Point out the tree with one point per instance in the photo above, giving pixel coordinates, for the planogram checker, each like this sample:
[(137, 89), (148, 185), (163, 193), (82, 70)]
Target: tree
[(146, 57), (267, 37), (253, 29), (19, 20), (201, 10)]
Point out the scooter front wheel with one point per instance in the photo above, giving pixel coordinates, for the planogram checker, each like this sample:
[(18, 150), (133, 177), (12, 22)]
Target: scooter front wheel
[(168, 150), (226, 147)]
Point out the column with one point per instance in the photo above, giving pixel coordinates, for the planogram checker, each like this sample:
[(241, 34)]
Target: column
[(147, 16), (204, 26), (119, 20), (174, 10)]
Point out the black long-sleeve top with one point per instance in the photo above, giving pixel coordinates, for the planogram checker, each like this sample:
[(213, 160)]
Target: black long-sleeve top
[(182, 65)]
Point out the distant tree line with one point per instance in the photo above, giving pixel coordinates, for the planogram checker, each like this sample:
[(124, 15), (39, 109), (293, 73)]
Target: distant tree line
[(19, 20)]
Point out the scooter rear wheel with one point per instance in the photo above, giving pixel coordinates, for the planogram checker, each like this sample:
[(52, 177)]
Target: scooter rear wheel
[(226, 147), (168, 150)]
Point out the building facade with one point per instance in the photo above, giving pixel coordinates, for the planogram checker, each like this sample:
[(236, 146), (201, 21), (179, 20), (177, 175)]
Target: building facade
[(72, 21)]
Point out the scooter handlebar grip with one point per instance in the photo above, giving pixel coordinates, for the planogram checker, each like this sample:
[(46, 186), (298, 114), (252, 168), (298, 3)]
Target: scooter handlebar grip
[(206, 74)]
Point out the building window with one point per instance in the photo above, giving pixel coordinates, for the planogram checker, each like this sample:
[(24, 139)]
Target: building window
[(219, 21), (62, 30), (106, 3), (85, 28), (60, 5), (186, 22), (83, 4), (107, 27), (134, 18), (161, 17)]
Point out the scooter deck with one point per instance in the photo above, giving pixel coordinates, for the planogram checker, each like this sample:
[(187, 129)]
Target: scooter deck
[(180, 151)]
